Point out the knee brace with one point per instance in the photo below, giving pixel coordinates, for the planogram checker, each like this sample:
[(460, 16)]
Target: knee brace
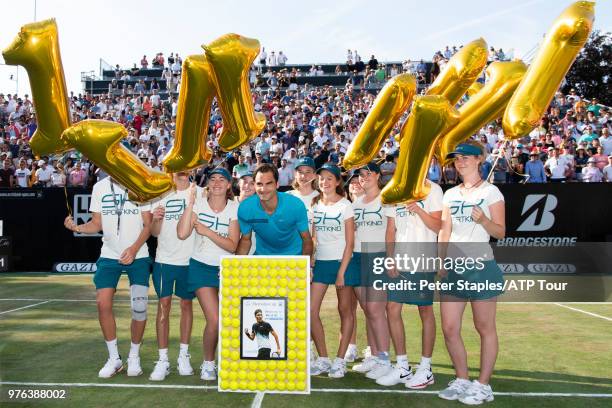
[(139, 299)]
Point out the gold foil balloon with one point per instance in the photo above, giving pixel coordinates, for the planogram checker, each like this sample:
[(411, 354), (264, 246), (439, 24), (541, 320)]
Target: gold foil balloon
[(460, 71), (100, 140), (231, 57), (36, 48), (195, 99), (562, 43), (388, 107), (474, 88), (485, 106), (430, 117)]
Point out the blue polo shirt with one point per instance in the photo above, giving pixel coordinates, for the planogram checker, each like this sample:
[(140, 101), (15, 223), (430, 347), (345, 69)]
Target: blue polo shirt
[(279, 233)]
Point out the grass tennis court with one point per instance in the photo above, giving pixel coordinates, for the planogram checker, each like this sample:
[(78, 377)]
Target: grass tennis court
[(550, 354)]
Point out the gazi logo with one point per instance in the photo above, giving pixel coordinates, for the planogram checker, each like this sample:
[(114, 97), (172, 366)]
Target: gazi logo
[(174, 209), (111, 203), (368, 218), (537, 212), (323, 222), (213, 222)]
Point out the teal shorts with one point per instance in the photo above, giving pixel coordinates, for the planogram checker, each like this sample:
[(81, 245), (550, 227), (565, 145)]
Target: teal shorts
[(364, 263), (202, 275), (475, 284), (171, 279), (109, 271), (420, 295), (326, 272)]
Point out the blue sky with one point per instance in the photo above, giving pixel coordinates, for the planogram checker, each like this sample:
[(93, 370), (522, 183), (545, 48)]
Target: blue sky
[(121, 31)]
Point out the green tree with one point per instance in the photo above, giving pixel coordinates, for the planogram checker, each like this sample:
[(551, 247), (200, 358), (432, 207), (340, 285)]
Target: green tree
[(591, 73)]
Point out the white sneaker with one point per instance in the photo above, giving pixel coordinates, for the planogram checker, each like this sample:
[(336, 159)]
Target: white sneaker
[(455, 389), (209, 371), (397, 375), (380, 370), (320, 366), (338, 368), (111, 367), (476, 394), (161, 370), (367, 352), (366, 365), (184, 365), (421, 379), (313, 353), (351, 354), (134, 368)]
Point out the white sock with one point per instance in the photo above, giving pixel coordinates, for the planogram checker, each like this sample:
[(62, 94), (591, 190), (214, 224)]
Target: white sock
[(425, 362), (184, 349), (383, 358), (325, 359), (402, 360), (352, 346), (113, 351), (135, 350), (163, 354)]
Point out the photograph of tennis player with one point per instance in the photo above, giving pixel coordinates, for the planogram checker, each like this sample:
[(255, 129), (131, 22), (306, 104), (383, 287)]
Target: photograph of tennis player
[(264, 326)]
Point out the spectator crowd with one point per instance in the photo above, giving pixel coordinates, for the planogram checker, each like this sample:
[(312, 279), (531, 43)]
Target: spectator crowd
[(571, 143)]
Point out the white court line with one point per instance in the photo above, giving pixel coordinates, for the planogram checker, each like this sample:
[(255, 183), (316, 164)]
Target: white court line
[(24, 307), (258, 399), (585, 312), (325, 390)]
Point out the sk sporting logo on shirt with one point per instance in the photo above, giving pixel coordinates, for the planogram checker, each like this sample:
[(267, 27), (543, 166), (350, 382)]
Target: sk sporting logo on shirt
[(174, 209), (111, 203), (212, 222), (402, 211), (537, 211), (368, 218), (464, 209), (321, 220)]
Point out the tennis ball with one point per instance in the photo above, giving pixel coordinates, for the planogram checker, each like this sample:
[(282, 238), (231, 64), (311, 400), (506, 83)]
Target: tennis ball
[(234, 366), (252, 365), (226, 343), (253, 291), (263, 291), (272, 364), (291, 285), (281, 375), (243, 364), (301, 334), (253, 282), (291, 344), (292, 305), (282, 263), (301, 354), (301, 305), (225, 353), (300, 274), (282, 282), (301, 366), (252, 385), (301, 294), (270, 375), (235, 343), (235, 292), (291, 263), (301, 385), (235, 302), (251, 376), (232, 376), (244, 384), (242, 374), (226, 291), (264, 282), (262, 365), (291, 325), (273, 273), (235, 312), (282, 364), (301, 324), (225, 312), (261, 376), (291, 315), (245, 262), (290, 386), (235, 333), (282, 291), (233, 385), (301, 314), (261, 386), (301, 345), (272, 291), (244, 291), (282, 273), (235, 355), (273, 263), (300, 375), (281, 386), (235, 282), (291, 354), (264, 262), (244, 282), (253, 272), (236, 323), (227, 273), (226, 262)]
